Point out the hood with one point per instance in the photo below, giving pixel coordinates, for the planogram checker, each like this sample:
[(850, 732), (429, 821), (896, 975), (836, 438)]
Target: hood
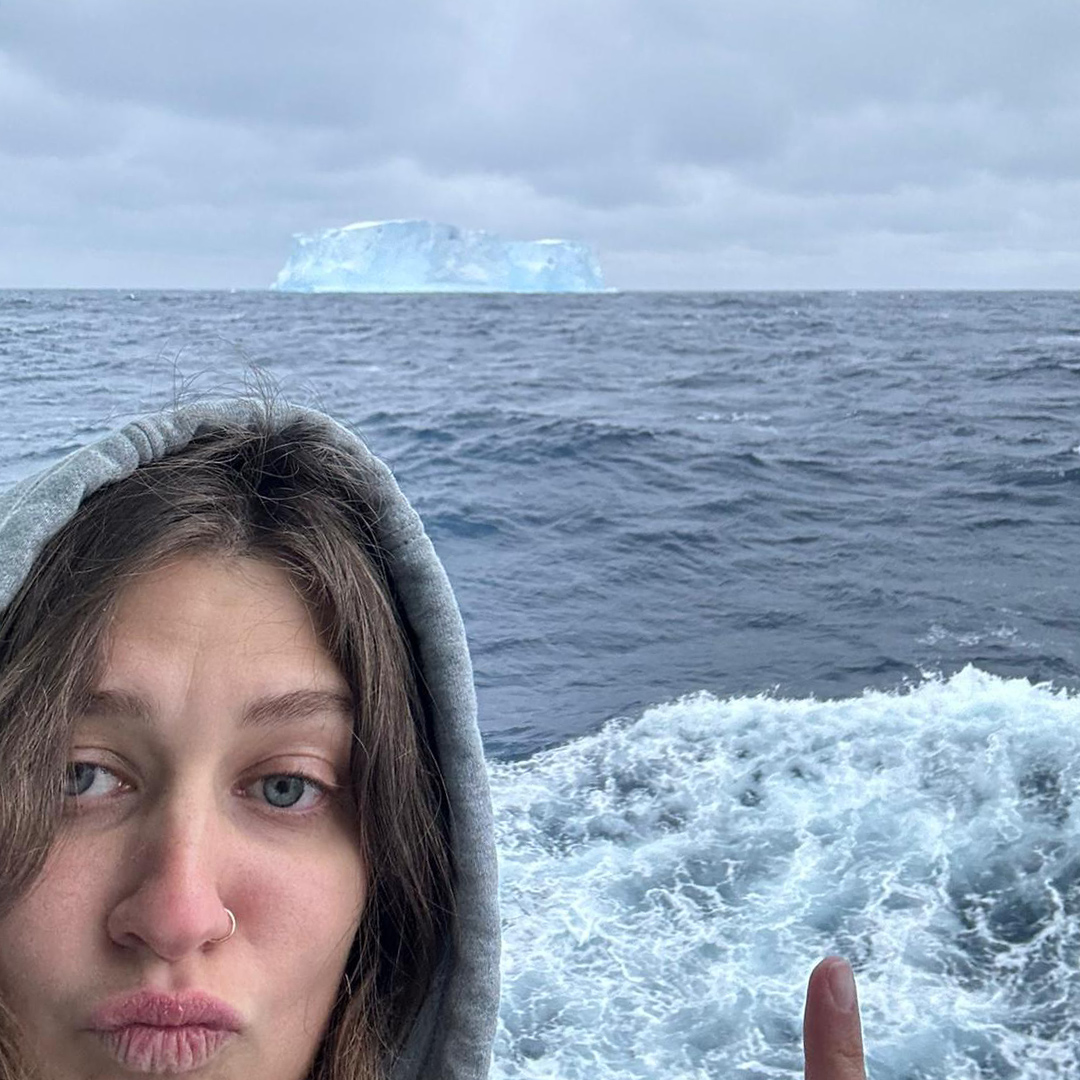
[(452, 1037)]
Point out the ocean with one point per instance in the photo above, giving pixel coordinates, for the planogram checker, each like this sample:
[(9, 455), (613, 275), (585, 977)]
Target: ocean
[(774, 604)]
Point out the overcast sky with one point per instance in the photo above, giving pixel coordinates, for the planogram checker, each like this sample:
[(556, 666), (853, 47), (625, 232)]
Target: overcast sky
[(696, 144)]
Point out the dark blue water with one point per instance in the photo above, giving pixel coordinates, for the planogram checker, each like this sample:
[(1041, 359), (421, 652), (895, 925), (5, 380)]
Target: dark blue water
[(640, 495), (818, 552)]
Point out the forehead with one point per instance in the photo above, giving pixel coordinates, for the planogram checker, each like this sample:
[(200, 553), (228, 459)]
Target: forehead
[(213, 602), (267, 711), (216, 632), (187, 587)]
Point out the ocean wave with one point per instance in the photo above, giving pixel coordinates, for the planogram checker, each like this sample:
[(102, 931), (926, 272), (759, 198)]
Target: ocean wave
[(669, 882)]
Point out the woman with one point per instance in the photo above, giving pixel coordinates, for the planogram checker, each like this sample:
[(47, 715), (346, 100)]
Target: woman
[(245, 829), (245, 823)]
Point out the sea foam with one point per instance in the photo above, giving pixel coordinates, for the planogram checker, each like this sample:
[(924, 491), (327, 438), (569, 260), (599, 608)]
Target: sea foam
[(669, 883)]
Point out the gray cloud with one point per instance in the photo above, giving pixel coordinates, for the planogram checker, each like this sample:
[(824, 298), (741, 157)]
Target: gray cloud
[(689, 137)]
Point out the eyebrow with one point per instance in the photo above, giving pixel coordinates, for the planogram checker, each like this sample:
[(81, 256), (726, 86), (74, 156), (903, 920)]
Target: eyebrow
[(272, 710)]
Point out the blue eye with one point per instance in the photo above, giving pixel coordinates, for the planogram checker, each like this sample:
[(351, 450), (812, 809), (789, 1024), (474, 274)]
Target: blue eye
[(78, 778), (289, 788)]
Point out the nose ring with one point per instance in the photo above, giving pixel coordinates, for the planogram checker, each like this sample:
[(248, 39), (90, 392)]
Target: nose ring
[(232, 929)]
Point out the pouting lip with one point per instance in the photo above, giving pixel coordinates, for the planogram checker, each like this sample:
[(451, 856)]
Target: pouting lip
[(157, 1009)]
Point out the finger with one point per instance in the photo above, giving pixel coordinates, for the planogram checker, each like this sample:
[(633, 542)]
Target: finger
[(832, 1033)]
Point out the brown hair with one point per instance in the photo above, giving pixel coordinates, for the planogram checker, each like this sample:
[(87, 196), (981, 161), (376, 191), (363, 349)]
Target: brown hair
[(292, 497)]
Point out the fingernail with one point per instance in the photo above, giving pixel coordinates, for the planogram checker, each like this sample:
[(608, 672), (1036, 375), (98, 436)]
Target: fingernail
[(842, 985)]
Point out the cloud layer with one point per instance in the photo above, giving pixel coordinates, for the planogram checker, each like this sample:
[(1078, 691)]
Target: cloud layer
[(696, 143)]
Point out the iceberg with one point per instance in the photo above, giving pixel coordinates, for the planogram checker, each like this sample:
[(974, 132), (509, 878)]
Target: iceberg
[(426, 256)]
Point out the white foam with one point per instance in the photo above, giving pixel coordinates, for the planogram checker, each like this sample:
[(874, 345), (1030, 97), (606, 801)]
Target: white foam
[(972, 637), (669, 883)]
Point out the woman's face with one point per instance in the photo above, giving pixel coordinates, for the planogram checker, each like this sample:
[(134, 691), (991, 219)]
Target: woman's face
[(217, 699)]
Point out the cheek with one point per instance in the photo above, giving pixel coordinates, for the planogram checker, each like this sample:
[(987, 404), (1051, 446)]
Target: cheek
[(55, 927), (302, 923), (302, 910)]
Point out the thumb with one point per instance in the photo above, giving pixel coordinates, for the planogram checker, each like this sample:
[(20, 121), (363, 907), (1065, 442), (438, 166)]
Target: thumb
[(832, 1033)]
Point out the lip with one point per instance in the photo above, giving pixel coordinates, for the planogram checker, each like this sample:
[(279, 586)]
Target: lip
[(152, 1008), (174, 1049)]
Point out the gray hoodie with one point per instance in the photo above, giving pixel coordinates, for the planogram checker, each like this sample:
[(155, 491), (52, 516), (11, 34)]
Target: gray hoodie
[(453, 1035)]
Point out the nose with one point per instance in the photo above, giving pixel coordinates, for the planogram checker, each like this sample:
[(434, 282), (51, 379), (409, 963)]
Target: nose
[(171, 902)]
